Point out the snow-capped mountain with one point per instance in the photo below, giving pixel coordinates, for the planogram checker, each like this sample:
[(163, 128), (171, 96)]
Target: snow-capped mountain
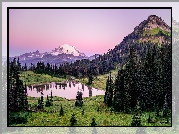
[(67, 49), (61, 54)]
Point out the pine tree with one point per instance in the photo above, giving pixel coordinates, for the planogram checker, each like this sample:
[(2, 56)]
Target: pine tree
[(165, 107), (119, 92), (17, 94), (61, 111), (17, 91), (79, 99), (90, 78), (51, 99), (136, 118), (109, 91), (149, 119), (73, 120), (48, 102), (82, 112), (93, 123)]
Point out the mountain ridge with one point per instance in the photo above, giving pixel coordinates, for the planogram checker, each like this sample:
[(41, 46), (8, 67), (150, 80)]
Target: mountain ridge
[(153, 29), (59, 55)]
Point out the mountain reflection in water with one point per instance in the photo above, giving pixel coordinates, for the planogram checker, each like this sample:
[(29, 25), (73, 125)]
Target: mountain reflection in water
[(66, 90)]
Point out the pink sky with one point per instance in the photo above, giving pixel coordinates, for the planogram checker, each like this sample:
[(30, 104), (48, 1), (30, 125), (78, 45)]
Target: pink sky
[(89, 30)]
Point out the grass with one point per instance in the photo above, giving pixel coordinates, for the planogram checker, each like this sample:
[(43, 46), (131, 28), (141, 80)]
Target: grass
[(156, 40), (102, 118), (155, 31), (99, 82), (31, 78)]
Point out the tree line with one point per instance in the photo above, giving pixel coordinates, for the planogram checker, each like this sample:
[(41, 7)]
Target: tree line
[(144, 82), (17, 94)]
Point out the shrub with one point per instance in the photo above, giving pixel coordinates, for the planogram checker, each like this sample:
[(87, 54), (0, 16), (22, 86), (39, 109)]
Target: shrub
[(18, 118)]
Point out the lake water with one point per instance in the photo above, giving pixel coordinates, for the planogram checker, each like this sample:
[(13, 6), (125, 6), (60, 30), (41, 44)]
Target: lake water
[(66, 90)]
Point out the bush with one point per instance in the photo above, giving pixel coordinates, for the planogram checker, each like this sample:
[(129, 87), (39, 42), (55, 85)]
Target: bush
[(18, 118), (136, 121)]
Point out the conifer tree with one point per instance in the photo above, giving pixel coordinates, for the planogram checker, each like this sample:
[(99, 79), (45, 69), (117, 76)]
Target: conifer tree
[(119, 92), (48, 103), (17, 93), (165, 107), (79, 99), (82, 112), (109, 91), (73, 120), (51, 99), (61, 111), (93, 123), (136, 118)]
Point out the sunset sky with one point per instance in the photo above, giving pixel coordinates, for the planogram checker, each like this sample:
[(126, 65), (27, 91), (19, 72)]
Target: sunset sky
[(89, 30)]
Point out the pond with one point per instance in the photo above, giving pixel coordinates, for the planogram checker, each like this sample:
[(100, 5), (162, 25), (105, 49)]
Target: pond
[(66, 90)]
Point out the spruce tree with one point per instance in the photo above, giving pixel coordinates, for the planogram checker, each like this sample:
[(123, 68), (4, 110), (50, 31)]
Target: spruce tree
[(51, 99), (109, 91), (17, 94), (136, 118), (119, 92), (73, 120), (48, 103), (61, 111), (93, 123), (165, 107), (82, 112), (79, 99)]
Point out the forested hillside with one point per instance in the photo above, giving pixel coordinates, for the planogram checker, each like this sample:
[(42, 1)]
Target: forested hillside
[(142, 86)]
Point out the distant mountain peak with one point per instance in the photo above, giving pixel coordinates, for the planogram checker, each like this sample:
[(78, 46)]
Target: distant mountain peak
[(65, 45), (67, 49)]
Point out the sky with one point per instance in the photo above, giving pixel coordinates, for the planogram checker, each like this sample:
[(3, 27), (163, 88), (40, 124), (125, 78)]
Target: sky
[(91, 31)]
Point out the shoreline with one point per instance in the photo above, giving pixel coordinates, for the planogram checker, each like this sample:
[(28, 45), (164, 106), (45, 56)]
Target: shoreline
[(58, 97)]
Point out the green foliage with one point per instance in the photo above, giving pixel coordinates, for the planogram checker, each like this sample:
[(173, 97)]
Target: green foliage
[(73, 120), (102, 118), (17, 95), (61, 111), (100, 81), (79, 99), (108, 97), (136, 122), (155, 31), (18, 118), (93, 123), (42, 78), (48, 102)]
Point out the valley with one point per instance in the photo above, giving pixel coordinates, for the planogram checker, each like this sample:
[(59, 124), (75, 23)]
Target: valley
[(134, 80)]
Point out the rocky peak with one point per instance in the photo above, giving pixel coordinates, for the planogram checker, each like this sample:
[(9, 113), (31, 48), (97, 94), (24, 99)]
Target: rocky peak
[(152, 22), (37, 51)]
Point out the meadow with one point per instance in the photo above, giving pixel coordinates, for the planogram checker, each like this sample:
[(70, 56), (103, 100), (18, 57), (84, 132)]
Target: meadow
[(31, 78), (103, 116), (94, 107)]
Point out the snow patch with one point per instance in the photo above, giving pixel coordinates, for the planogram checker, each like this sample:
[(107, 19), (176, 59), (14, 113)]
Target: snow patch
[(42, 55), (55, 53)]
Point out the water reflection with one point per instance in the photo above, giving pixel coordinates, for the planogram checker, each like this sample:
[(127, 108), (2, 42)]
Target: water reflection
[(65, 90), (90, 91)]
